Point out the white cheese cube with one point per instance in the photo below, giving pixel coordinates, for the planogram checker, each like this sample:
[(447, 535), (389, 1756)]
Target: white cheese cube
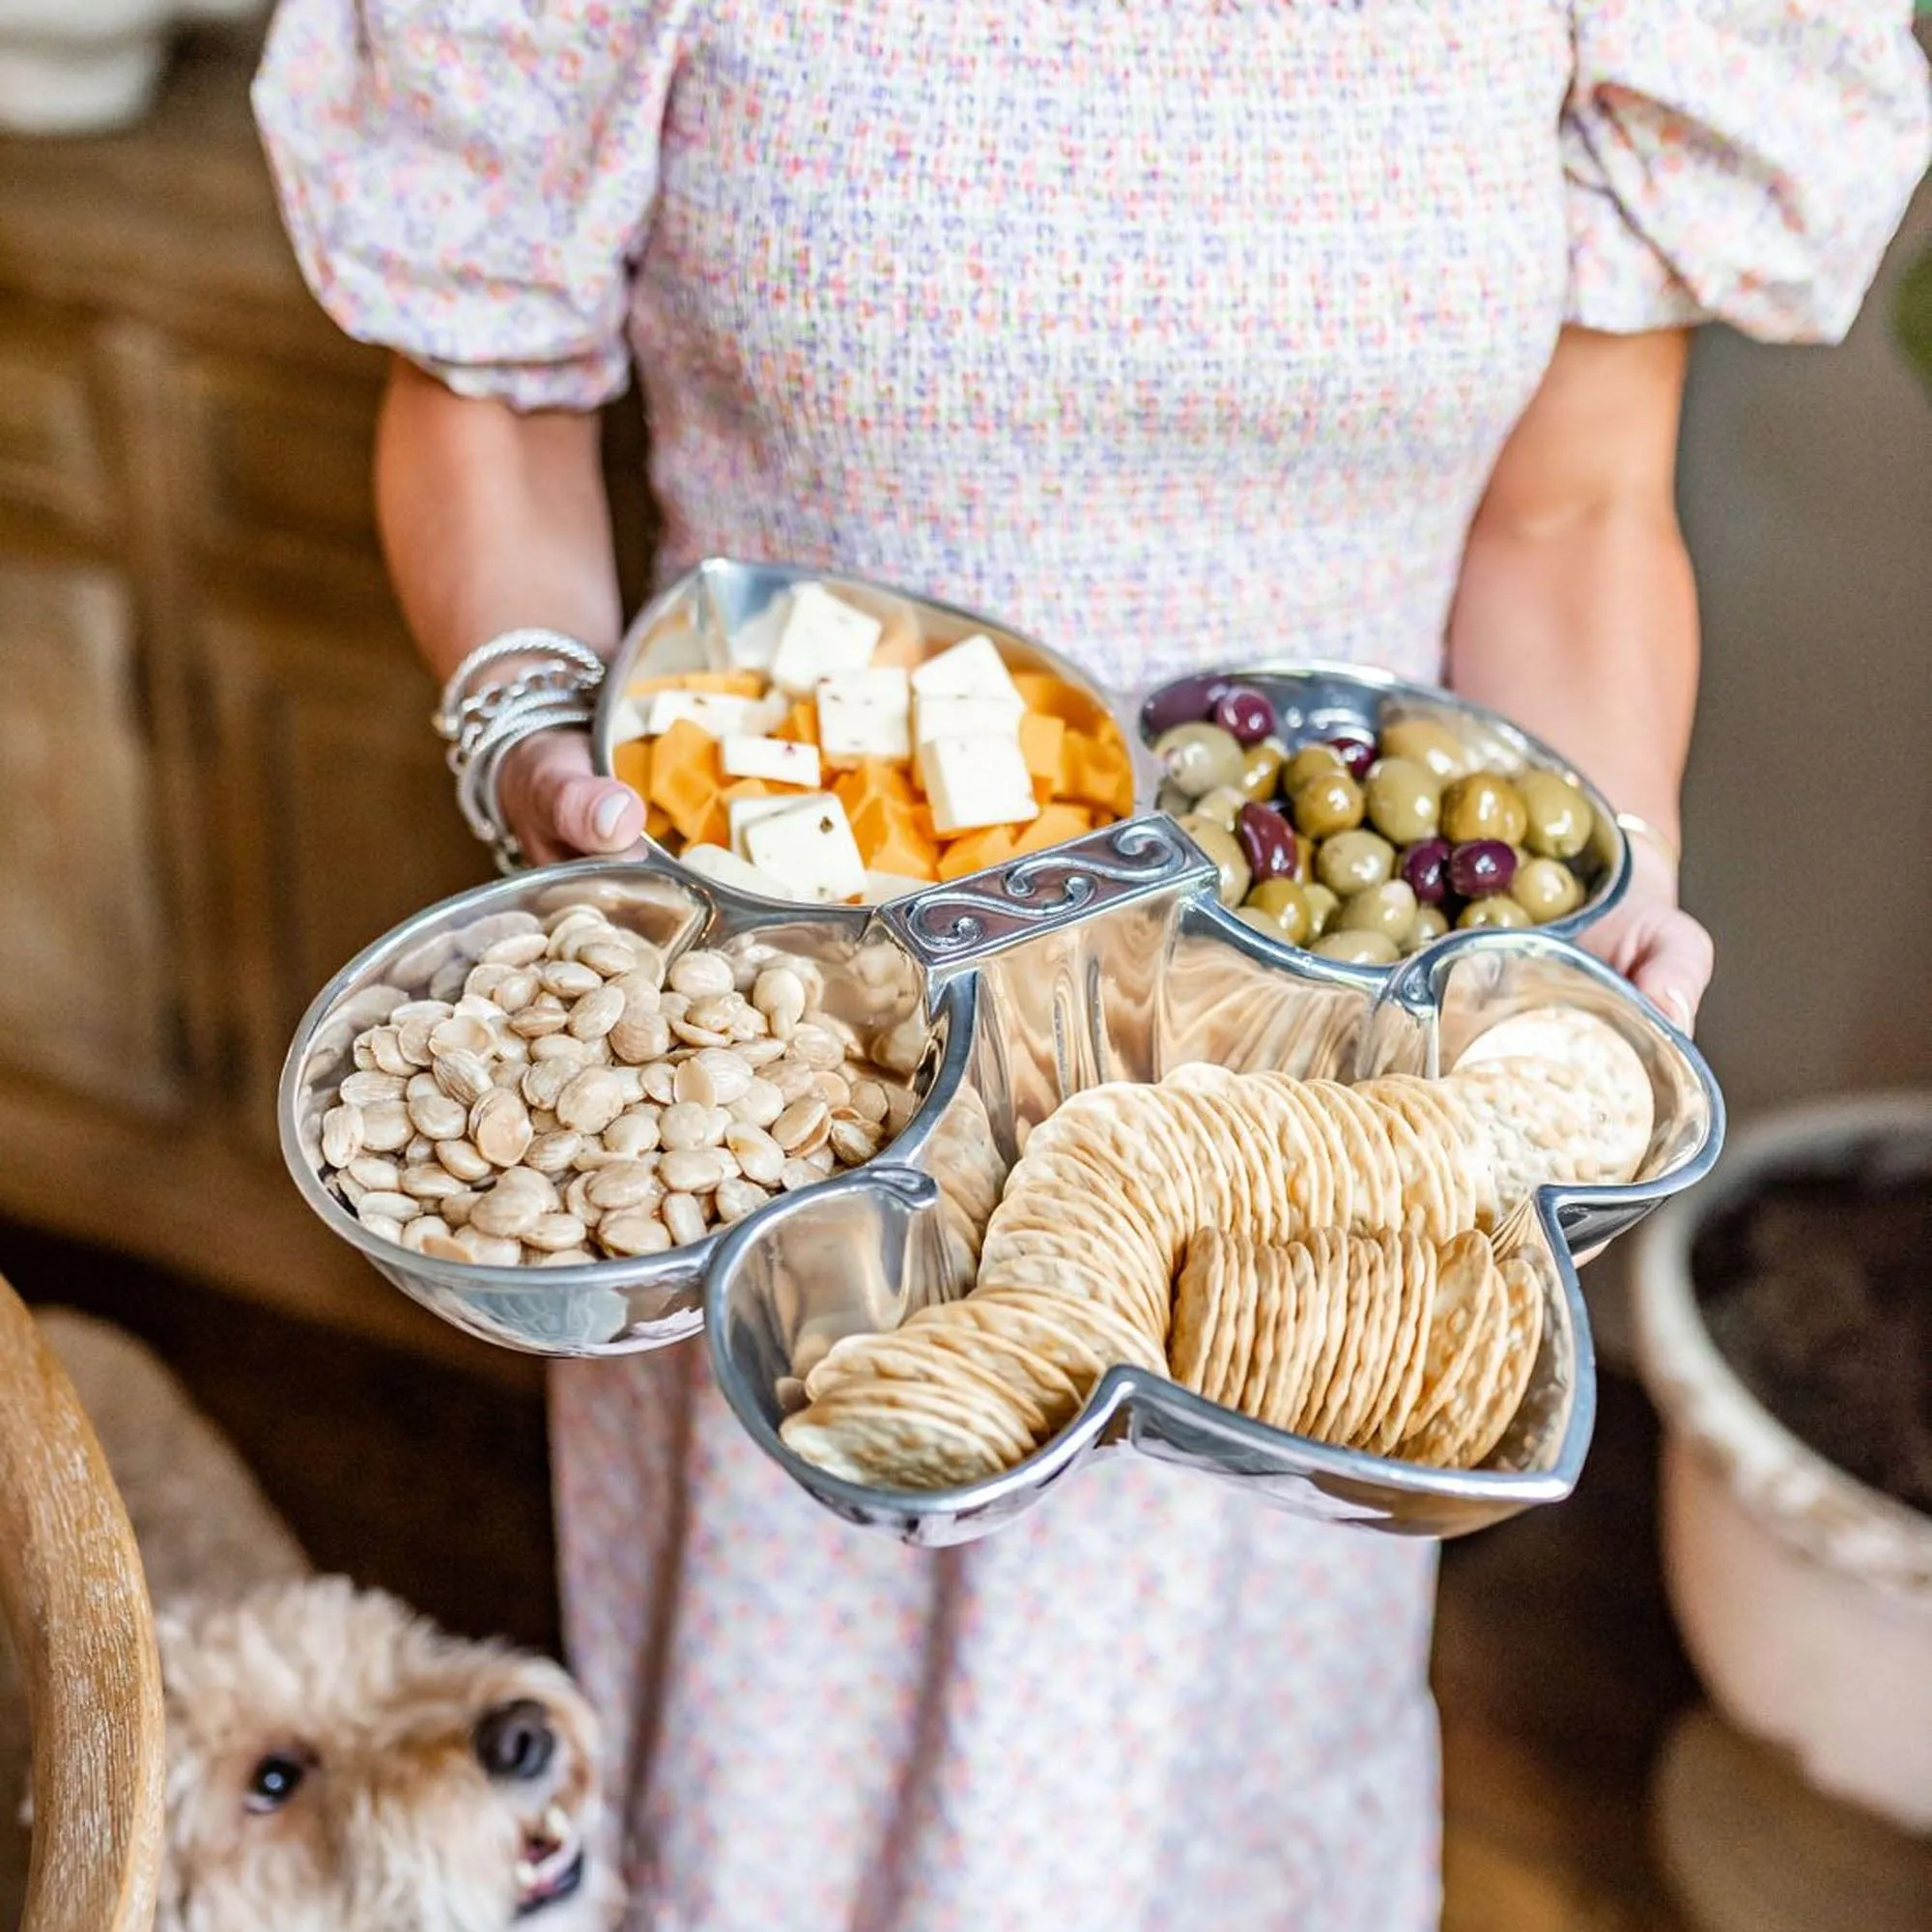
[(775, 758), (811, 848), (821, 637), (755, 642), (973, 783), (675, 650), (967, 718), (716, 712), (746, 811), (727, 869), (972, 668), (630, 718), (864, 714), (882, 887)]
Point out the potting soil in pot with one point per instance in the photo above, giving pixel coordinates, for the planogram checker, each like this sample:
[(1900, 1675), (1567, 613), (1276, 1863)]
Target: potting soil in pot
[(1817, 1288)]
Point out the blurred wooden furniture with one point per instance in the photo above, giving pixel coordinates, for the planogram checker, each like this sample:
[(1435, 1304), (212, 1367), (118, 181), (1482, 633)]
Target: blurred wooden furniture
[(216, 776), (76, 1607)]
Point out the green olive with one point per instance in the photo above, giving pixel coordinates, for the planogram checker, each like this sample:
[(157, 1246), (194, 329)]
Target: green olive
[(1405, 799), (1201, 756), (1352, 862), (1263, 920), (1359, 948), (1322, 906), (1430, 744), (1389, 909), (1560, 818), (1221, 845), (1172, 800), (1310, 762), (1262, 772), (1429, 927), (1498, 909), (1483, 805), (1287, 903), (1328, 804), (1546, 888), (1223, 805)]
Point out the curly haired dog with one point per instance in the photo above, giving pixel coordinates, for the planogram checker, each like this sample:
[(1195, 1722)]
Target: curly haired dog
[(335, 1763)]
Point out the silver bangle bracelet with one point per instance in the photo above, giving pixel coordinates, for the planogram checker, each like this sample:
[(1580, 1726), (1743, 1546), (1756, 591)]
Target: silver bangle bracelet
[(482, 719)]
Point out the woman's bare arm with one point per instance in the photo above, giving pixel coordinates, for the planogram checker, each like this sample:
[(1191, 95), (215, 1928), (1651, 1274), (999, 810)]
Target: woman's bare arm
[(1577, 615), (492, 520)]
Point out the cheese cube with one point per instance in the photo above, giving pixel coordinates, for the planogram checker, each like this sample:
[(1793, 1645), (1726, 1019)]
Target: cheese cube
[(949, 717), (864, 714), (727, 869), (754, 643), (778, 760), (745, 812), (630, 718), (972, 782), (882, 887), (971, 668), (822, 636), (811, 848), (717, 713), (675, 648)]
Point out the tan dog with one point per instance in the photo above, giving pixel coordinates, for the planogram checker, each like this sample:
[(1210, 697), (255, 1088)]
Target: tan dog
[(335, 1763)]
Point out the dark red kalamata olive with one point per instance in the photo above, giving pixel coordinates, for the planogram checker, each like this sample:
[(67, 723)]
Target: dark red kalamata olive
[(1356, 752), (1482, 866), (1244, 713), (1268, 840), (1425, 865), (1187, 701)]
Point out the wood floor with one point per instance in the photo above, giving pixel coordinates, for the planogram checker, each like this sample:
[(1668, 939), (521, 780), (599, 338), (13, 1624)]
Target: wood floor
[(1556, 1667)]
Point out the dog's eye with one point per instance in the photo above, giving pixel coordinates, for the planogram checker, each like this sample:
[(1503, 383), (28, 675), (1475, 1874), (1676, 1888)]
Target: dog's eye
[(274, 1780)]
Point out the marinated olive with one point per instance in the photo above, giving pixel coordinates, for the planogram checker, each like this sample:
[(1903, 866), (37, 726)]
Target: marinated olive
[(1356, 752), (1261, 918), (1546, 889), (1425, 867), (1261, 774), (1322, 906), (1183, 702), (1266, 840), (1429, 927), (1389, 909), (1311, 761), (1560, 818), (1244, 714), (1482, 866), (1429, 744), (1353, 862), (1222, 804), (1483, 805), (1221, 846), (1328, 804), (1199, 757), (1288, 903), (1405, 799), (1359, 948), (1172, 800), (1498, 909)]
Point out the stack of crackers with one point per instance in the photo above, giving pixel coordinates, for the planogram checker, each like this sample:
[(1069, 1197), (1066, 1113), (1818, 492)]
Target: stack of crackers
[(1310, 1253)]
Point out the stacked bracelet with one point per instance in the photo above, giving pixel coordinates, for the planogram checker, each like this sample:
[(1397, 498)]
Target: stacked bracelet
[(482, 719)]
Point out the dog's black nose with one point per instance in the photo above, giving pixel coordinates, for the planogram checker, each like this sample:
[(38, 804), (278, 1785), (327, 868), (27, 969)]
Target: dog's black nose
[(515, 1740)]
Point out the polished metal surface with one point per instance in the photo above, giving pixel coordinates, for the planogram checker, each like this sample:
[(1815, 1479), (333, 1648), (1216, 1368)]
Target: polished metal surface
[(1132, 971), (1320, 701)]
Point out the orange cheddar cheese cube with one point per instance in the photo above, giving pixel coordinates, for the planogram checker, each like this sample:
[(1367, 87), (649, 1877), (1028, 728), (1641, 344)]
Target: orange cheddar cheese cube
[(890, 839), (1050, 697), (873, 777), (657, 823), (685, 777), (631, 763), (801, 725), (977, 851), (1094, 771), (716, 827), (1042, 741), (1055, 825)]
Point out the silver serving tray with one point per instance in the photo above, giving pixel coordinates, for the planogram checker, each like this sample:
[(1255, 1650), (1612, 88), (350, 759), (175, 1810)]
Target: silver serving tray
[(1107, 959)]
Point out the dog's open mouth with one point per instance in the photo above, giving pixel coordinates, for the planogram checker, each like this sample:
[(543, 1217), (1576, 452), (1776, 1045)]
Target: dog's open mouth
[(551, 1864)]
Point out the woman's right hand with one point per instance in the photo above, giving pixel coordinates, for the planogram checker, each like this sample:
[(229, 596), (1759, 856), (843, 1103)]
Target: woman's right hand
[(555, 802)]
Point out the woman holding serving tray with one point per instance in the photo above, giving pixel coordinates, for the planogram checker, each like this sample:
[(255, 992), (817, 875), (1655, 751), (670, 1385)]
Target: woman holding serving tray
[(1178, 335)]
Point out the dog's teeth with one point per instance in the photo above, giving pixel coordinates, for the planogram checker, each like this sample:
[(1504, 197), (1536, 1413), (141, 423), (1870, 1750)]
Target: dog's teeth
[(557, 1822)]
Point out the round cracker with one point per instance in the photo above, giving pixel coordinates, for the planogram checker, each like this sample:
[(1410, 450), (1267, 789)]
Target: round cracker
[(1197, 1315), (1408, 1362), (1271, 1329), (1523, 1337)]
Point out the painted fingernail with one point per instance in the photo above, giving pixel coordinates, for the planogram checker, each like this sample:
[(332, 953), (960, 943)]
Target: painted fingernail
[(1679, 1008), (610, 814)]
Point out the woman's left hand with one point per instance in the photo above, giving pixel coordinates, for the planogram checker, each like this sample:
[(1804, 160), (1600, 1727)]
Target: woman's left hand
[(1652, 941)]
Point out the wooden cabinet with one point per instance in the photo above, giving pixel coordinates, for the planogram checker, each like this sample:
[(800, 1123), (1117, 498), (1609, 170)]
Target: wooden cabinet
[(217, 779)]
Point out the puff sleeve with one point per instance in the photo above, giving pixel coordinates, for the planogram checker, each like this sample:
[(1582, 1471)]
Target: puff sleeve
[(468, 182), (1745, 161)]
